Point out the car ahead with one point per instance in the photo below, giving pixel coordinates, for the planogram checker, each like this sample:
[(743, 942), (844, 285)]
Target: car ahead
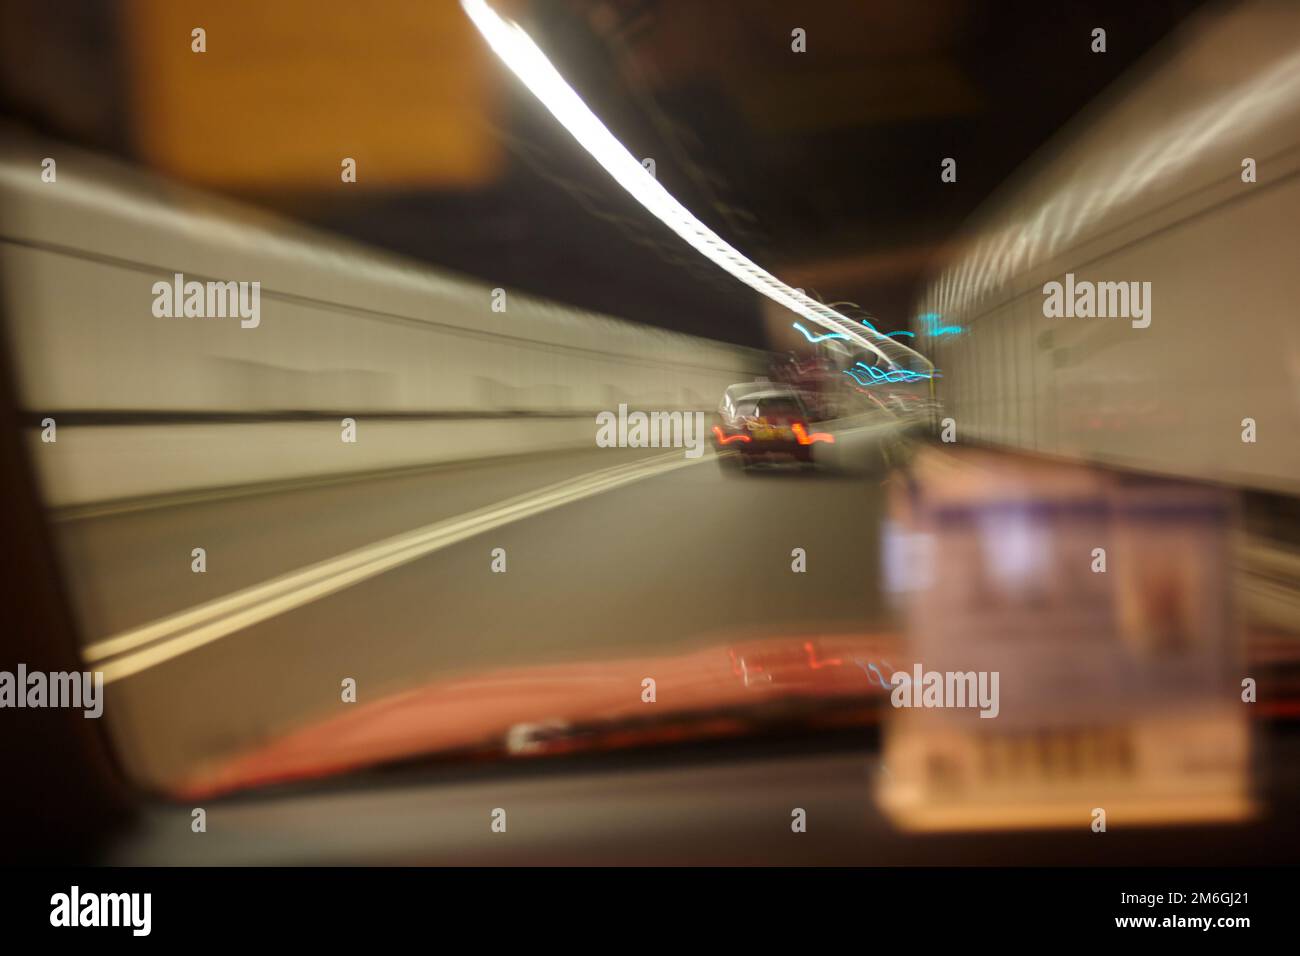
[(762, 421)]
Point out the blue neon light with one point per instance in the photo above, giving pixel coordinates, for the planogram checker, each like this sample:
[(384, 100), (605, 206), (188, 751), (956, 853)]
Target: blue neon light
[(819, 338)]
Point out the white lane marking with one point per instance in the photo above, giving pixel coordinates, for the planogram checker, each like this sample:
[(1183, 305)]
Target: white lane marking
[(162, 640), (145, 634)]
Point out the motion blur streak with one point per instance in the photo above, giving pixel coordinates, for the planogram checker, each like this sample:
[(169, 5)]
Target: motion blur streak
[(807, 438), (518, 51), (728, 439), (814, 339), (194, 628)]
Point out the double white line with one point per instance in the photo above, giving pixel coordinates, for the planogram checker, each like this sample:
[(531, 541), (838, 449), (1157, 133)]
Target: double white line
[(133, 651)]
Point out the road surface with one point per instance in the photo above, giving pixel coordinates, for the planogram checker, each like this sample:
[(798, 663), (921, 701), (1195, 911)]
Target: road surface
[(678, 555)]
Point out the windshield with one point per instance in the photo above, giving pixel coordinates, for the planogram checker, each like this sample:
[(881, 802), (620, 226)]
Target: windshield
[(390, 403)]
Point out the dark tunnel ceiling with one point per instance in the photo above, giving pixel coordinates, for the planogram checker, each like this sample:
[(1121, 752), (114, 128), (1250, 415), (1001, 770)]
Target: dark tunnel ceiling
[(822, 166)]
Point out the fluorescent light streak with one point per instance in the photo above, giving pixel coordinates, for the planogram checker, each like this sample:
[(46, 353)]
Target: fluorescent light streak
[(527, 61)]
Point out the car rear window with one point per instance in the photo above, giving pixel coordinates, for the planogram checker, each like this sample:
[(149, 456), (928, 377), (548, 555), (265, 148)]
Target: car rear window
[(779, 408)]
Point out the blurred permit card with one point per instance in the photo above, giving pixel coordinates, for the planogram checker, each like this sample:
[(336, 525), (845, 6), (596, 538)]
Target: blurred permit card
[(1103, 605)]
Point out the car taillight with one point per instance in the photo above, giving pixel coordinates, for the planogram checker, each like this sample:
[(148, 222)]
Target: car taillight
[(728, 439), (801, 433)]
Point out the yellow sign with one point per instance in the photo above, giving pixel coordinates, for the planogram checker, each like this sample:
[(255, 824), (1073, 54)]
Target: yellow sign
[(281, 94)]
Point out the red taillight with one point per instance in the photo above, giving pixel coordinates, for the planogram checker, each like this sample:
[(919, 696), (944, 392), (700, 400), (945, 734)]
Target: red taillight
[(805, 438), (728, 439)]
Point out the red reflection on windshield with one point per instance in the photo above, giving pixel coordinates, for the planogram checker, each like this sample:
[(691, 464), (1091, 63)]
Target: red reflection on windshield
[(477, 715)]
